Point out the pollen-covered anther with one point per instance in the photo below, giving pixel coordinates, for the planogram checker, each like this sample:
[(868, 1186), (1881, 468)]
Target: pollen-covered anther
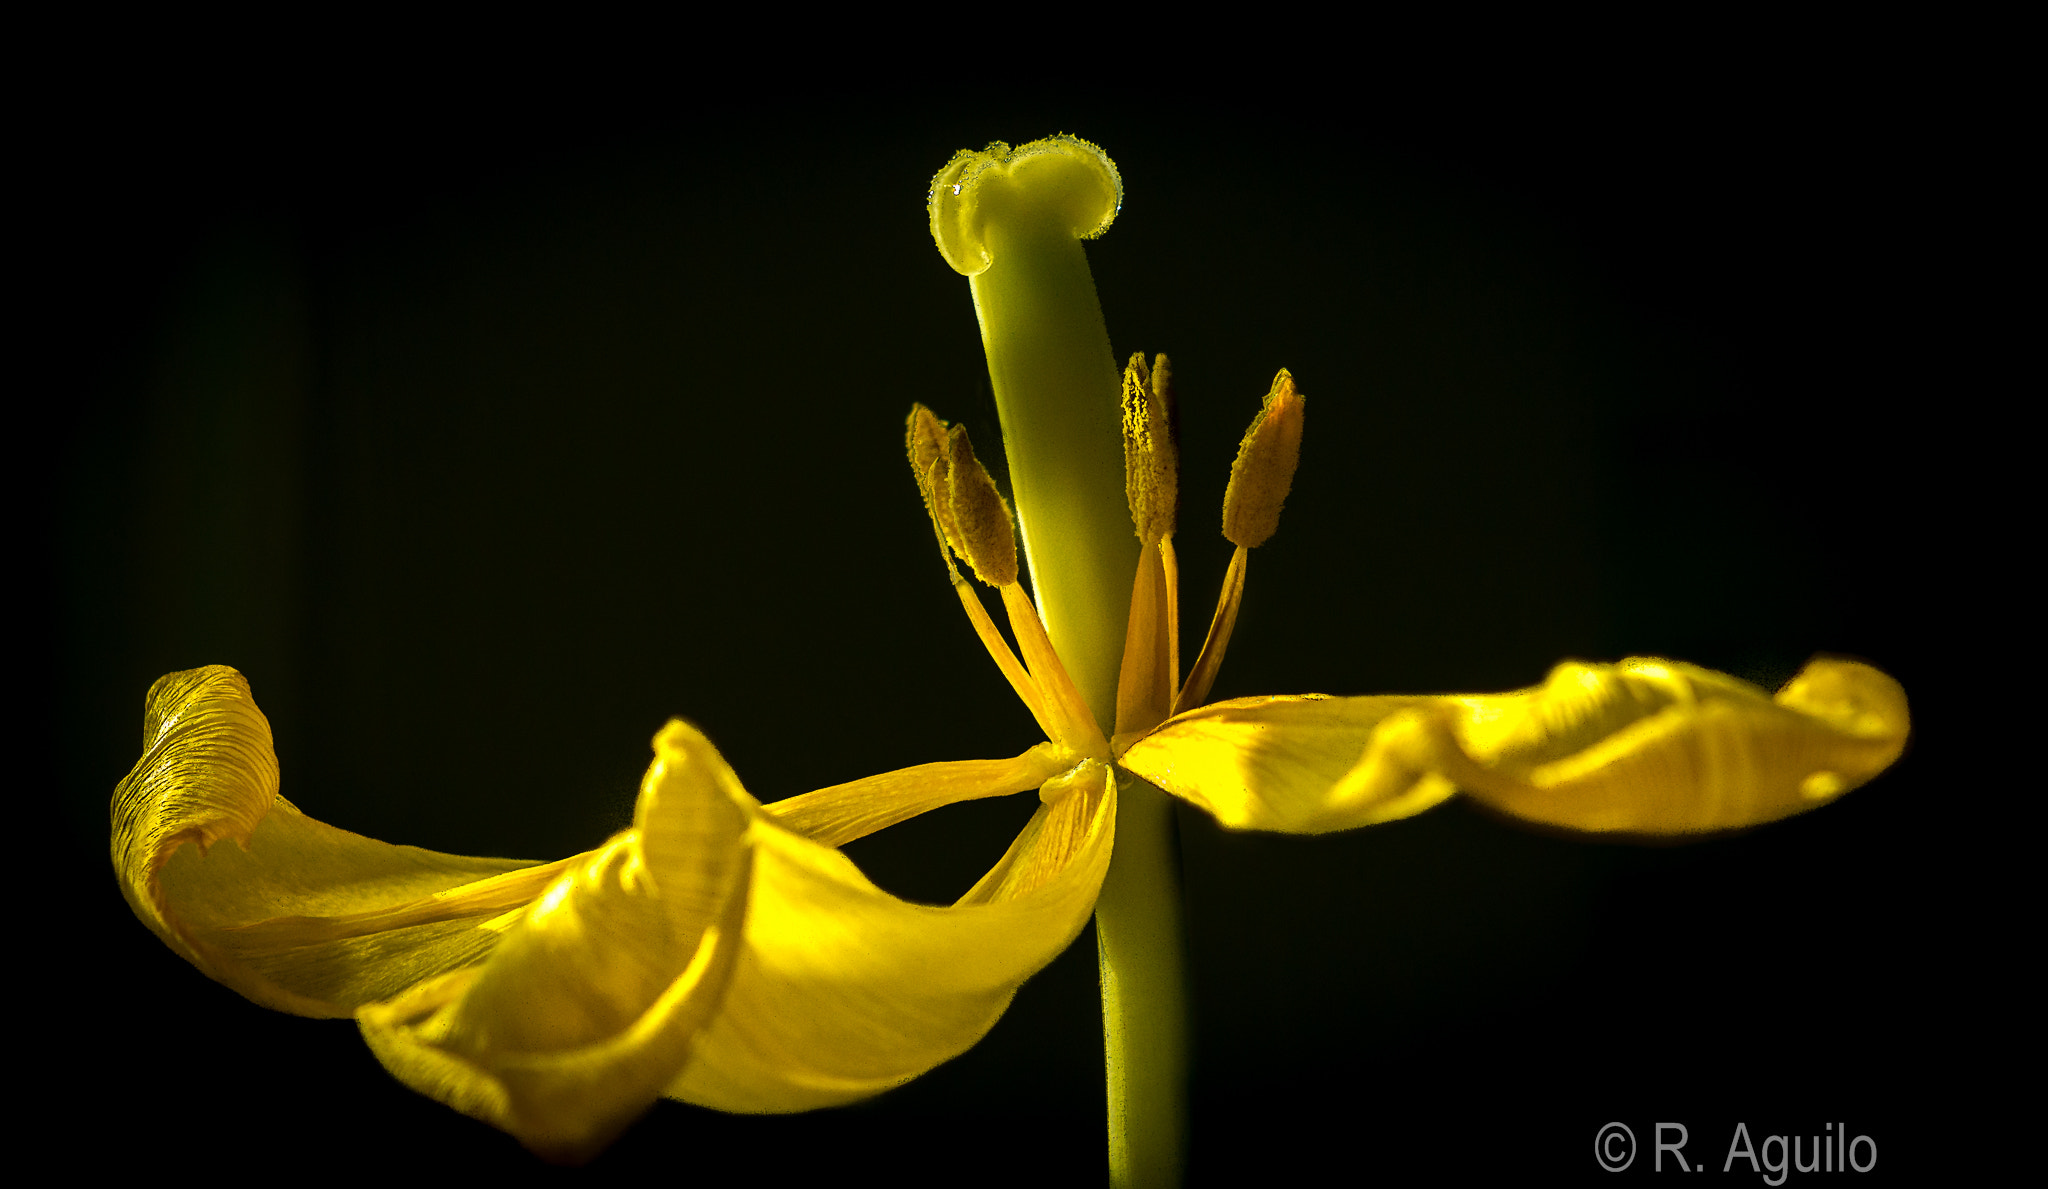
[(925, 438), (1264, 470), (969, 514), (982, 529), (1151, 452)]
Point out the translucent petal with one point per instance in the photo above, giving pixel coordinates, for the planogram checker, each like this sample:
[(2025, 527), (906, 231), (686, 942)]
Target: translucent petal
[(845, 991), (591, 1003), (1280, 763), (293, 913), (1659, 747), (1645, 746)]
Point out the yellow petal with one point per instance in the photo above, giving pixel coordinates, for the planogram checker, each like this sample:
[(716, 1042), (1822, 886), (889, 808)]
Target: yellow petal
[(293, 913), (845, 991), (1660, 747), (1280, 763), (1645, 746), (591, 1003), (1068, 826)]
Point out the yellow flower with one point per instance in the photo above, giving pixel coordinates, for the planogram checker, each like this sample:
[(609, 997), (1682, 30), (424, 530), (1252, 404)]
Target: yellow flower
[(708, 953), (724, 952)]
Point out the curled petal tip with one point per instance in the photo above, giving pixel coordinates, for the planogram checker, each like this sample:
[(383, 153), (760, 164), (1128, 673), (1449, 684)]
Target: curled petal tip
[(296, 914), (1656, 747), (1857, 698)]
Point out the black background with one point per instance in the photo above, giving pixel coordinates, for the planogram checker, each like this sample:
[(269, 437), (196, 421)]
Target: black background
[(485, 434)]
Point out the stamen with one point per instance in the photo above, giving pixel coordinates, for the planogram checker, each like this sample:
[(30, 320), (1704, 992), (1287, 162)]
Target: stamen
[(1074, 725), (1259, 482), (1264, 470), (1026, 687), (1169, 564), (1150, 673), (932, 460), (1203, 675), (1145, 684)]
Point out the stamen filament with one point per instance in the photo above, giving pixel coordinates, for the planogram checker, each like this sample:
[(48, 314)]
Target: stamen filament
[(1169, 563), (1074, 724), (1145, 686), (1027, 688), (1204, 673)]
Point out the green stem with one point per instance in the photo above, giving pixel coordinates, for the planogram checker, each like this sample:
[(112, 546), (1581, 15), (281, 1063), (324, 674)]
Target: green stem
[(1139, 951), (1057, 392)]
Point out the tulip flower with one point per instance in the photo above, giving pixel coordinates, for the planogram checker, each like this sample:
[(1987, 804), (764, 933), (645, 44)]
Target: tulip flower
[(725, 952)]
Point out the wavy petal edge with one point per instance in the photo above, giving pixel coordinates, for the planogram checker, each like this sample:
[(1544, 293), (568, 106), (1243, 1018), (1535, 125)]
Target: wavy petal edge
[(1644, 746)]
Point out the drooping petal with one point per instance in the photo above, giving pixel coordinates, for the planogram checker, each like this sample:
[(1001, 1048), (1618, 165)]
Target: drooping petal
[(845, 991), (1645, 746), (593, 1000), (293, 913)]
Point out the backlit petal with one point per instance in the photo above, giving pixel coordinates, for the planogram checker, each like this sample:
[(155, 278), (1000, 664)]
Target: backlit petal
[(591, 1003), (1659, 747), (845, 991), (1280, 763), (293, 913), (1645, 746)]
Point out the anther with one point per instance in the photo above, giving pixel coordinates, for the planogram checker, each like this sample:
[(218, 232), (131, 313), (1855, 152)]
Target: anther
[(1151, 453), (1264, 470), (970, 515), (983, 530), (926, 440)]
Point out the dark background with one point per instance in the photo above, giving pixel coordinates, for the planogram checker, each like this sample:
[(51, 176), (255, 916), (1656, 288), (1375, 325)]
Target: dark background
[(486, 435)]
